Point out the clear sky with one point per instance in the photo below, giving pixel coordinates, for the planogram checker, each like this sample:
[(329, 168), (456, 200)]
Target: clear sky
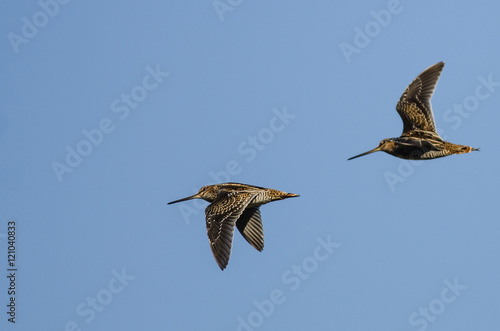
[(110, 110)]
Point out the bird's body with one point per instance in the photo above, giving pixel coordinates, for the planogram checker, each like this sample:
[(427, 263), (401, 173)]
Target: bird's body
[(422, 145), (234, 204), (419, 140)]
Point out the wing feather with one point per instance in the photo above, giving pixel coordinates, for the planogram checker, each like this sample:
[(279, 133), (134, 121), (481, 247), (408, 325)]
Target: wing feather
[(250, 226), (414, 106), (221, 216)]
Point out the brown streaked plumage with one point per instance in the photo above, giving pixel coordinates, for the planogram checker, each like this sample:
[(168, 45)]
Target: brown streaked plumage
[(234, 204), (419, 140)]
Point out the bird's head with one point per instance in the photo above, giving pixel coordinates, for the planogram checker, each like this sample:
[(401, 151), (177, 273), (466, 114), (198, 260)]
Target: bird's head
[(207, 193), (385, 145)]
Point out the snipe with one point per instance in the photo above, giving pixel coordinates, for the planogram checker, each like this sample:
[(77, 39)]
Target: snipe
[(234, 204), (419, 140)]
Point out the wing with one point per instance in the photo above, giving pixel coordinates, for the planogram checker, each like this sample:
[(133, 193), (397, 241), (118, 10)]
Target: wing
[(428, 135), (221, 216), (414, 106), (421, 144), (250, 226)]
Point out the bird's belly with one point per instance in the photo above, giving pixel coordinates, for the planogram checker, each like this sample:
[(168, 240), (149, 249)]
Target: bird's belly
[(422, 152)]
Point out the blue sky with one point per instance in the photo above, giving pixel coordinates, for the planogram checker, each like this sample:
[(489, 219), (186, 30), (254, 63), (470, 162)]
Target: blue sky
[(111, 110)]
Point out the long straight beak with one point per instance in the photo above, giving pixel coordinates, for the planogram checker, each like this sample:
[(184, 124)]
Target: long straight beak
[(195, 196), (366, 153)]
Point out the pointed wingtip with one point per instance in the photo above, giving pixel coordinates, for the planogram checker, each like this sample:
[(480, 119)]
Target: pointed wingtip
[(439, 64), (222, 263)]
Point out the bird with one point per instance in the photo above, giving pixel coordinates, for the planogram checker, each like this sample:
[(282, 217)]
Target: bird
[(419, 140), (234, 204)]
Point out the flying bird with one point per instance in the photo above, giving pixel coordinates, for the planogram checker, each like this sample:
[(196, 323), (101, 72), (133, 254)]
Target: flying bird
[(419, 140), (234, 204)]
